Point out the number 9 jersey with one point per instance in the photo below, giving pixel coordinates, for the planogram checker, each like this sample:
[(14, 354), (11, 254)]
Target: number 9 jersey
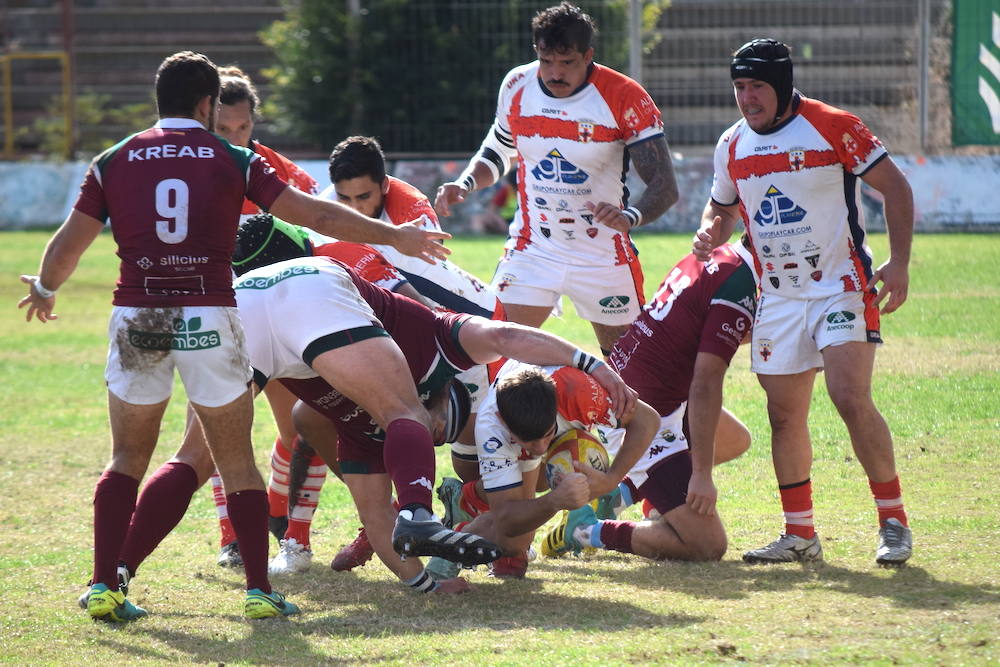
[(173, 194)]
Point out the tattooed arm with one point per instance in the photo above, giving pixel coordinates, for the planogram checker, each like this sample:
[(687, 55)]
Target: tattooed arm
[(652, 162)]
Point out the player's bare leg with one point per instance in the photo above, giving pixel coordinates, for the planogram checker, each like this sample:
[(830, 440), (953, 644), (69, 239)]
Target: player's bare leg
[(681, 534), (848, 379), (373, 373), (788, 399), (529, 316), (608, 334), (849, 370), (732, 437)]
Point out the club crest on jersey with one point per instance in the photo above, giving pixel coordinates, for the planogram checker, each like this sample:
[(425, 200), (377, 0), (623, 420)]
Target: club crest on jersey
[(554, 167), (778, 209), (764, 348), (585, 131), (797, 159)]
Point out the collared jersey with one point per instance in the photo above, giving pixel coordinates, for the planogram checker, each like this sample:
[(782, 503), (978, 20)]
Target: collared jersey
[(572, 150), (799, 193), (173, 195), (442, 282), (699, 307)]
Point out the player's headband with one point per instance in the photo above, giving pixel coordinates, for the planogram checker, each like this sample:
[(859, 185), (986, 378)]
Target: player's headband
[(766, 60), (263, 239)]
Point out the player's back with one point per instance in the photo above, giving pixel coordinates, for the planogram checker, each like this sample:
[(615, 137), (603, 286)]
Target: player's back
[(173, 195), (656, 355)]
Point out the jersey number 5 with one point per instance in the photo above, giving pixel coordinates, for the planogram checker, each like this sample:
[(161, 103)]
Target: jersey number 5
[(671, 288), (172, 203)]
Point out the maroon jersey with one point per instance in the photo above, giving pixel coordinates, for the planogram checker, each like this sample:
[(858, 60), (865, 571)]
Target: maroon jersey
[(700, 307), (174, 194), (428, 340)]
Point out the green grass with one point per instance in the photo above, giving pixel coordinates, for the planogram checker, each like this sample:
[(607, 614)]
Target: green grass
[(938, 384)]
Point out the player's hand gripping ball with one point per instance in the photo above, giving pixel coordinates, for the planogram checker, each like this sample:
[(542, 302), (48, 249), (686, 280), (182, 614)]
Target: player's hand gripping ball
[(573, 445)]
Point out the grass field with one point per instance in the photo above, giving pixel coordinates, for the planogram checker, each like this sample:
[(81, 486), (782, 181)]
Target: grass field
[(938, 384)]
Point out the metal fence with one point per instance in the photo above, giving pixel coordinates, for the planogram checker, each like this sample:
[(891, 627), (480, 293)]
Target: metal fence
[(885, 60)]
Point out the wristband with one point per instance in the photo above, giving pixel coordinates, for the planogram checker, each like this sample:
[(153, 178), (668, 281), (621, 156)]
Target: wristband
[(634, 216), (587, 363), (41, 290), (423, 582), (467, 181)]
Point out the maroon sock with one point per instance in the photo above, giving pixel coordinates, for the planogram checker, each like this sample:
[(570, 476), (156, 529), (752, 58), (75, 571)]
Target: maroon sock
[(162, 503), (409, 459), (617, 535), (248, 512), (114, 500)]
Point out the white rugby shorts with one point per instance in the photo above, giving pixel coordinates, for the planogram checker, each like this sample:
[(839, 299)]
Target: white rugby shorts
[(204, 343), (789, 335), (669, 440), (608, 295)]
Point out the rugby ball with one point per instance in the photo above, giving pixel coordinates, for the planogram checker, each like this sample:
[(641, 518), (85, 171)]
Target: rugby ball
[(573, 445)]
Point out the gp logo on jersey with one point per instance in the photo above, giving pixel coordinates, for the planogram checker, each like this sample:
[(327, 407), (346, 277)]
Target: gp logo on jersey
[(777, 209), (557, 168)]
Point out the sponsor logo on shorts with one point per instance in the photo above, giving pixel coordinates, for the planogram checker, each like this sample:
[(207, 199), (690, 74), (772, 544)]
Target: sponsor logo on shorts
[(506, 280), (554, 167), (614, 305), (185, 336), (764, 348), (265, 282), (842, 319), (668, 435), (144, 263)]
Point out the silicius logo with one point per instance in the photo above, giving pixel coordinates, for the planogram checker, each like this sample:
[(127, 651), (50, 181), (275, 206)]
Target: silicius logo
[(614, 304), (185, 336)]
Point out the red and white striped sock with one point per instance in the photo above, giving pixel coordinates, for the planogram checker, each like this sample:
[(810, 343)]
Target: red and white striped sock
[(796, 502), (277, 483), (888, 500), (471, 502), (222, 510), (306, 501)]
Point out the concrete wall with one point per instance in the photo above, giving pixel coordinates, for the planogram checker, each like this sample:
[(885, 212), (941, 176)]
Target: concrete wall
[(951, 193)]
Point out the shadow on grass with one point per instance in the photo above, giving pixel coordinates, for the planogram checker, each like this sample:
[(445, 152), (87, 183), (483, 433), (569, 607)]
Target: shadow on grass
[(909, 587), (349, 606)]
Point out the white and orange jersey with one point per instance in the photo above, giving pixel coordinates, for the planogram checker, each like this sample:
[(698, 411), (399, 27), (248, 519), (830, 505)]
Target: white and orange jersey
[(572, 151), (799, 193), (287, 170), (366, 260), (442, 282), (581, 403)]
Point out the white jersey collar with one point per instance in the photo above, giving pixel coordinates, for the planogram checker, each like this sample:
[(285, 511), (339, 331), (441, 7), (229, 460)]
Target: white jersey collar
[(178, 123)]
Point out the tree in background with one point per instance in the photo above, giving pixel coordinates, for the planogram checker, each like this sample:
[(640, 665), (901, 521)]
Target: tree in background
[(421, 76)]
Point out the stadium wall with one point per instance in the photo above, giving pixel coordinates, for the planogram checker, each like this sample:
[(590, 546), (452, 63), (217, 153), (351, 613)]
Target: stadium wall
[(948, 191)]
